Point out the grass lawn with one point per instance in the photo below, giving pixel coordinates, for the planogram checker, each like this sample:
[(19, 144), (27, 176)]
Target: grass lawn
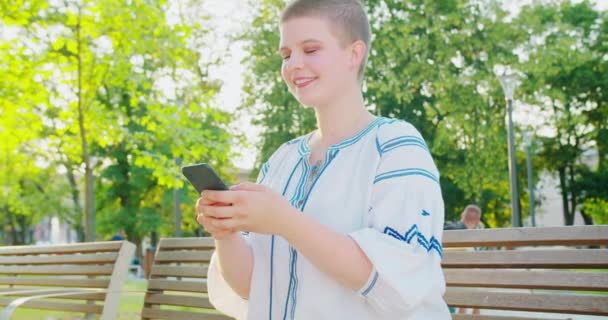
[(130, 306)]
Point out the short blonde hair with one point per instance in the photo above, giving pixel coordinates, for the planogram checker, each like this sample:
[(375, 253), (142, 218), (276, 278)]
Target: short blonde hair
[(347, 15), (470, 207)]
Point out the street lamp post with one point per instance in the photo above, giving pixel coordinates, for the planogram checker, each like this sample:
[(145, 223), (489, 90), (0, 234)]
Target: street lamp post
[(528, 143), (178, 211), (176, 190), (510, 80)]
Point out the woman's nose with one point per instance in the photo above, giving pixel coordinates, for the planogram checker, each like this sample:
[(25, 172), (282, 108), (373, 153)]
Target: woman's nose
[(294, 61)]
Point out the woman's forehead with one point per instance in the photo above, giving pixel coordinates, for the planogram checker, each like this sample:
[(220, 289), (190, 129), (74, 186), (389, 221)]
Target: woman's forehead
[(301, 30)]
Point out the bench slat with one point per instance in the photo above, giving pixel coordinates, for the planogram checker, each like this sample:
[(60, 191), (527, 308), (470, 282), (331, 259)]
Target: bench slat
[(85, 258), (179, 300), (70, 248), (183, 256), (179, 271), (563, 236), (60, 306), (566, 258), (56, 282), (58, 270), (181, 315), (84, 296), (186, 243), (484, 317), (177, 285), (527, 279), (525, 301)]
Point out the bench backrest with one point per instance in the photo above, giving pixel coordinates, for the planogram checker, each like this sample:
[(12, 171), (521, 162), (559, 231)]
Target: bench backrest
[(548, 269), (35, 270), (177, 288)]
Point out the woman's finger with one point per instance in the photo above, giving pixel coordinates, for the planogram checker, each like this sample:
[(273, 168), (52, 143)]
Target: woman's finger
[(202, 220), (200, 206), (248, 186), (223, 224), (208, 202), (210, 226), (221, 212), (213, 196)]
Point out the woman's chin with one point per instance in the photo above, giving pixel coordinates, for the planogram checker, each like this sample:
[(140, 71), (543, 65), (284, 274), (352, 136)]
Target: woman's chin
[(308, 101)]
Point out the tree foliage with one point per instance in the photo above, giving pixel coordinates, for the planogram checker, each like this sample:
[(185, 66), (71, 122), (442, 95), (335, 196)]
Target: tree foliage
[(565, 67), (130, 81), (432, 64)]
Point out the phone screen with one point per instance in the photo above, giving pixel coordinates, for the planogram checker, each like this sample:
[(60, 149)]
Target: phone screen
[(203, 177)]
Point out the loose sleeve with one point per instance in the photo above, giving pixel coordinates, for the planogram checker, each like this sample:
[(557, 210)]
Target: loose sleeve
[(403, 236), (221, 295)]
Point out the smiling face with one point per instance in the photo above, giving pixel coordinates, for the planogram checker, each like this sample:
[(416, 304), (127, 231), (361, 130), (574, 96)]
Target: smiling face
[(316, 65)]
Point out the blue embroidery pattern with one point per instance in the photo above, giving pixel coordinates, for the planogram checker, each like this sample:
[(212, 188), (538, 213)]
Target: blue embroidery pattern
[(421, 239), (375, 123), (299, 200), (264, 172), (406, 172), (403, 141), (272, 249), (293, 255), (425, 213)]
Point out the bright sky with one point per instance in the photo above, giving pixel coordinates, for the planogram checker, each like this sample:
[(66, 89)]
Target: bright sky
[(231, 16)]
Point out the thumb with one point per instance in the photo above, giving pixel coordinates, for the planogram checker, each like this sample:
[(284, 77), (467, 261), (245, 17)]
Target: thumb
[(247, 186)]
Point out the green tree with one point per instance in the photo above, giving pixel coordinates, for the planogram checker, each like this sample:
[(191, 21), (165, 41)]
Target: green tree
[(564, 67), (431, 64), (25, 194), (99, 74)]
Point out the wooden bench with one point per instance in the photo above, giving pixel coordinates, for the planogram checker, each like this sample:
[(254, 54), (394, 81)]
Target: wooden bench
[(556, 270), (543, 270), (177, 287), (83, 278)]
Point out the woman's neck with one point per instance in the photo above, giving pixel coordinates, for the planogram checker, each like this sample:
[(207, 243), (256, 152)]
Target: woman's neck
[(341, 119)]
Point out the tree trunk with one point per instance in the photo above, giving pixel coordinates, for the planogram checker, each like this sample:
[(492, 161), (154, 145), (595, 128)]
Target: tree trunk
[(23, 229), (586, 218), (153, 239), (573, 193), (90, 234), (89, 205), (602, 148), (568, 217), (77, 222), (13, 229), (138, 250)]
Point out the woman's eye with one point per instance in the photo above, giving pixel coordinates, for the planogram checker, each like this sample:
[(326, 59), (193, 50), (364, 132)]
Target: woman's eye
[(311, 51), (285, 57)]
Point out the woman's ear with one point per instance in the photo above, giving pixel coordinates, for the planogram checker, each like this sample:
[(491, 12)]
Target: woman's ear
[(357, 54)]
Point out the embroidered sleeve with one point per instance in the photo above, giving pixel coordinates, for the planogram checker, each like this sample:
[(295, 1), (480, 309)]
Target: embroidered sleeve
[(403, 238)]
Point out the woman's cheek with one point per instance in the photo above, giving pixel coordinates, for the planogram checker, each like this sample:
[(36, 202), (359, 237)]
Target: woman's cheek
[(284, 75)]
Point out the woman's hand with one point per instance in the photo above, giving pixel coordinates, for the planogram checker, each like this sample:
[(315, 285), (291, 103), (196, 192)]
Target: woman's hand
[(207, 222), (254, 208)]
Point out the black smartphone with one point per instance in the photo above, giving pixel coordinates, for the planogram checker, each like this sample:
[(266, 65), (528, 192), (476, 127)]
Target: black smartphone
[(203, 177)]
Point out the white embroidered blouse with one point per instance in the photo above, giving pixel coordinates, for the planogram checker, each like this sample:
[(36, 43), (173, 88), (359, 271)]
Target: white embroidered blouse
[(380, 187)]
